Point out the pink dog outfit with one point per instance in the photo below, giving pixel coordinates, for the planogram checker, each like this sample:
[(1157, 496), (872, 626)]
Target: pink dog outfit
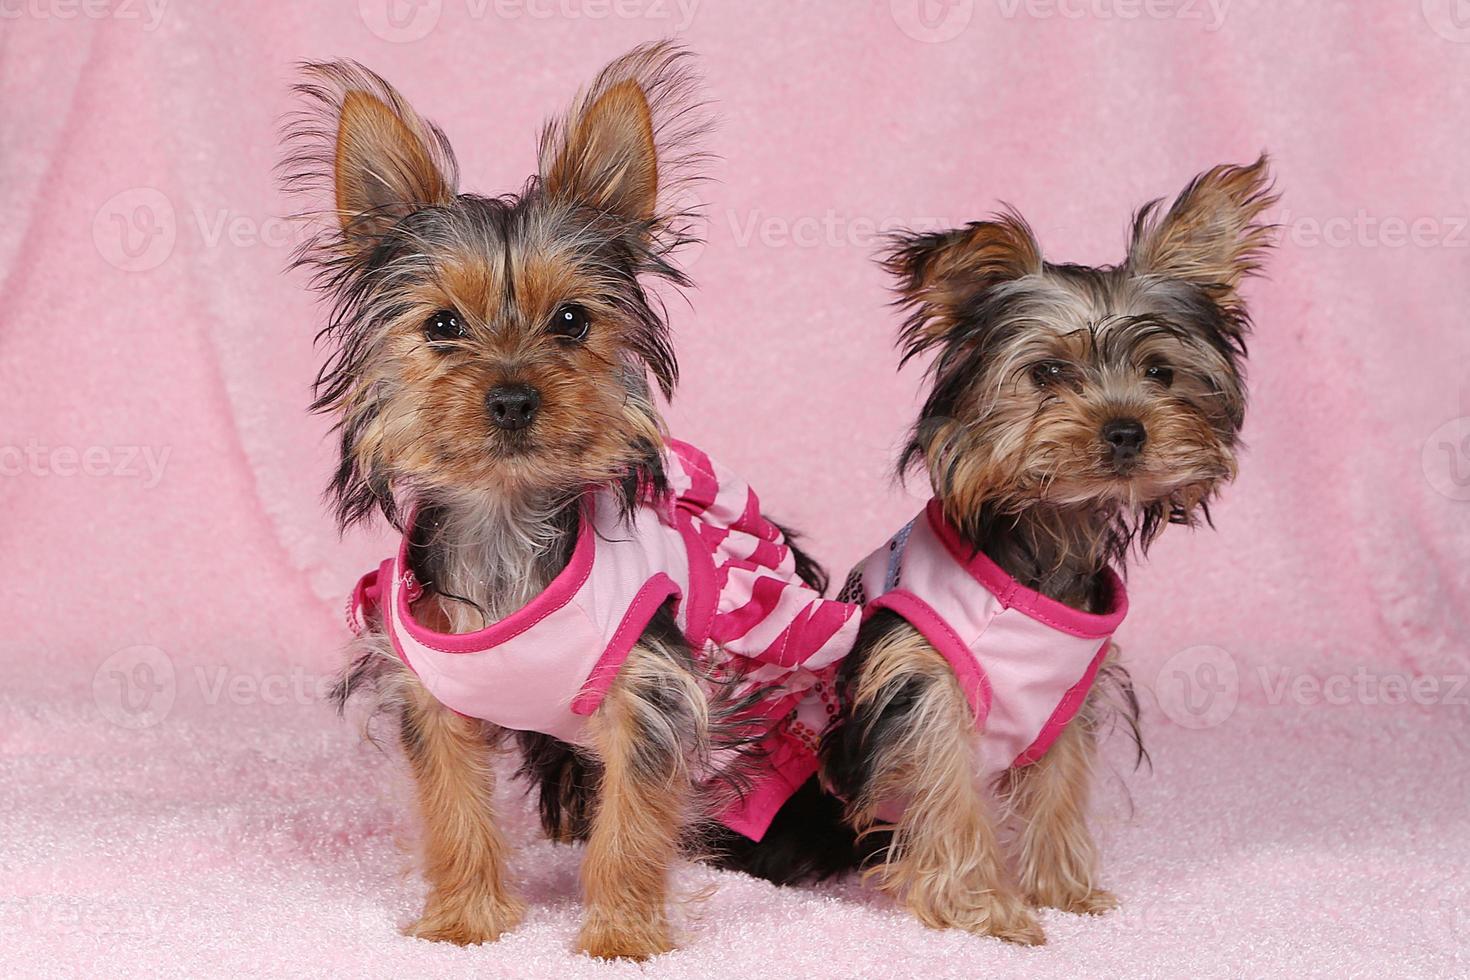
[(547, 666), (1025, 662)]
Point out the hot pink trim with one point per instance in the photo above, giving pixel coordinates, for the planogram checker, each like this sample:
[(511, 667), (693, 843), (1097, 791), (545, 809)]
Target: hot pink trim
[(655, 592), (557, 594), (1067, 709), (703, 598), (953, 649), (398, 649), (1014, 595), (367, 596), (790, 765)]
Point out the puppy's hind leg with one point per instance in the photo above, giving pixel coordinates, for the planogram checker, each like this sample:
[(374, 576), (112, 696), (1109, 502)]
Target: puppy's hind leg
[(464, 855)]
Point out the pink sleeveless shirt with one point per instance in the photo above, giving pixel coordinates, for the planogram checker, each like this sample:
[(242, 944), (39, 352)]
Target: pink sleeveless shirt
[(547, 666), (1025, 662)]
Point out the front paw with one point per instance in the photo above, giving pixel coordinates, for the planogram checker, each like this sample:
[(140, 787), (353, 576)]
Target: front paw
[(466, 919), (624, 938), (1074, 898), (1007, 917), (1002, 915)]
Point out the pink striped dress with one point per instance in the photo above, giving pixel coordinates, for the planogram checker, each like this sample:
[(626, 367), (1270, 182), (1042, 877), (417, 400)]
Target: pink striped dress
[(732, 579)]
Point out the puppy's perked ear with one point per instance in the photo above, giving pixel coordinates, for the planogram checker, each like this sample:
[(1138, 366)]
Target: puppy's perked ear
[(1210, 236), (608, 158), (625, 144), (380, 159), (940, 274)]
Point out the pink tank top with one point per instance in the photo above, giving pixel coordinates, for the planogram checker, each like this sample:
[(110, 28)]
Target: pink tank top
[(1025, 662), (547, 666)]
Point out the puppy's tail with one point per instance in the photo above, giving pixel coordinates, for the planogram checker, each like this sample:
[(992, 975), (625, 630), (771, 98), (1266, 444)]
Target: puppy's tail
[(808, 569)]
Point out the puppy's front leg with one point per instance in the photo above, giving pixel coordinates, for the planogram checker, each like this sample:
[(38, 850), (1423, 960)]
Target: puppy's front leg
[(645, 732), (1055, 853), (464, 856), (944, 862)]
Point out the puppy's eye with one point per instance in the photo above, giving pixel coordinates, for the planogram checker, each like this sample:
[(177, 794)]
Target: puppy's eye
[(444, 325), (1160, 374), (570, 322), (1048, 373)]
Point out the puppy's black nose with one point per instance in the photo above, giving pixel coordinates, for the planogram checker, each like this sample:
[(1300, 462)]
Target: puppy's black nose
[(512, 407), (1125, 437)]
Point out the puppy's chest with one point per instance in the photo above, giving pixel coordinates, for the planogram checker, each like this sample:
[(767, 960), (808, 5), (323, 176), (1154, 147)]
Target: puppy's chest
[(478, 579), (1024, 661)]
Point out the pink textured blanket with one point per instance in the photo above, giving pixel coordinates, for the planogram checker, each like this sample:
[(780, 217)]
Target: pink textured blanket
[(176, 800)]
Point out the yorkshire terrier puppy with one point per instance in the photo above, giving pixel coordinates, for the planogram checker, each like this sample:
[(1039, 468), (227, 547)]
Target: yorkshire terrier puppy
[(1074, 412), (570, 582)]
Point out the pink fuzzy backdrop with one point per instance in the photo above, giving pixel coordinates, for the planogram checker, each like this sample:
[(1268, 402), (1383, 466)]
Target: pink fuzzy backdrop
[(176, 799)]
